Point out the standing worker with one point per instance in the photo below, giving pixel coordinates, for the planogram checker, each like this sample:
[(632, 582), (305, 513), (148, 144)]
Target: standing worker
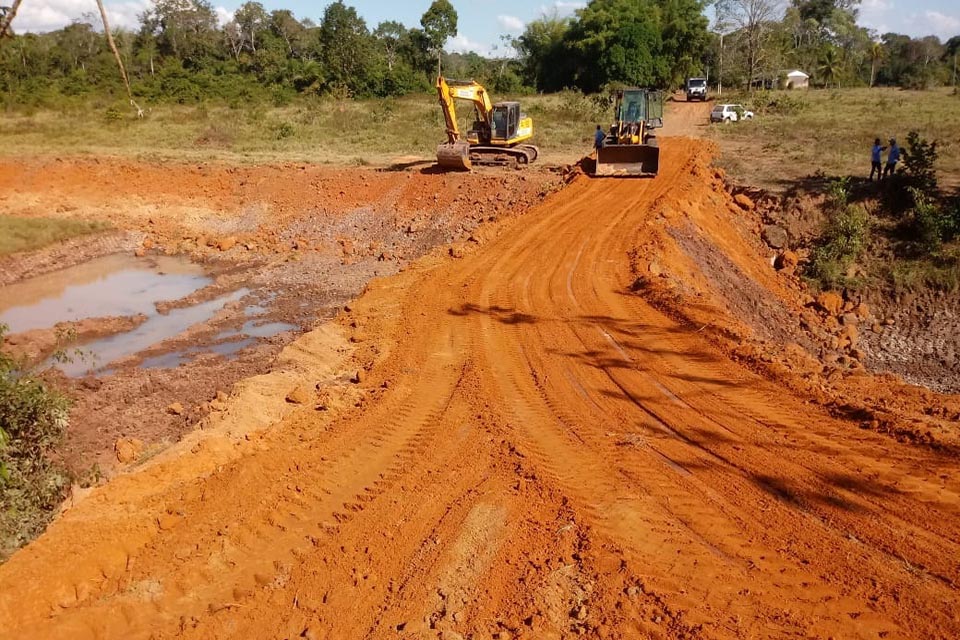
[(893, 157), (598, 138), (875, 160)]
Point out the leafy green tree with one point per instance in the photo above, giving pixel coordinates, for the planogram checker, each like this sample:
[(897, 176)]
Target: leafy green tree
[(252, 20), (617, 41), (439, 23), (184, 29), (544, 56), (684, 38), (390, 34), (346, 48)]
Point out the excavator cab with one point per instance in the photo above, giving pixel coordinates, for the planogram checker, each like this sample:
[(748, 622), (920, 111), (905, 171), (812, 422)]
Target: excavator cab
[(630, 148), (506, 119)]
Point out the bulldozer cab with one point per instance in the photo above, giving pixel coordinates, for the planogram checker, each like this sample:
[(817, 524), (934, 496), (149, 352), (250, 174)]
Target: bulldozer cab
[(636, 106), (630, 149)]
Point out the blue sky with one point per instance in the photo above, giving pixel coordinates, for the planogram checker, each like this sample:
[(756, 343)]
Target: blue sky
[(481, 21)]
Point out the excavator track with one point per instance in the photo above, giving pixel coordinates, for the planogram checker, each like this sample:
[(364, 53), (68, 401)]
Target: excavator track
[(461, 156)]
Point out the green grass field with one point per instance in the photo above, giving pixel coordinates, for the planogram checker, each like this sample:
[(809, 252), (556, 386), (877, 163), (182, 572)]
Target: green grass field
[(832, 131), (25, 234), (323, 130)]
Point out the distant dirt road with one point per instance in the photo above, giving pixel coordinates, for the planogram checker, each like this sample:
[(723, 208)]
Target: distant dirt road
[(537, 453)]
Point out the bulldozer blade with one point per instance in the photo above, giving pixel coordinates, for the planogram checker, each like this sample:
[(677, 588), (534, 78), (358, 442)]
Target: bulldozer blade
[(454, 155), (628, 160)]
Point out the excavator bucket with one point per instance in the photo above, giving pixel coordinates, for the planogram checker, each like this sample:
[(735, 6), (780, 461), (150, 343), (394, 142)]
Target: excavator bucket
[(454, 155), (628, 160)]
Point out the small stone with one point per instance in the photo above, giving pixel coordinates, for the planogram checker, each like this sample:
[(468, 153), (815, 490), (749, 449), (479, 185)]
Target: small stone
[(655, 269), (225, 244), (849, 319), (848, 335), (167, 521), (580, 613), (786, 261), (128, 449), (175, 409), (359, 376), (744, 201), (139, 252), (775, 236), (830, 301), (456, 251), (862, 310), (299, 395)]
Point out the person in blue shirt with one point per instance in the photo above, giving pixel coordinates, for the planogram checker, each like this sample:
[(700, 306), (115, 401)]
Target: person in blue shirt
[(875, 160), (598, 138), (893, 157)]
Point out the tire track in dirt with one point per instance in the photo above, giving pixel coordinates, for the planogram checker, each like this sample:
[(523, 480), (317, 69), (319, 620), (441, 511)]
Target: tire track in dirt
[(537, 452)]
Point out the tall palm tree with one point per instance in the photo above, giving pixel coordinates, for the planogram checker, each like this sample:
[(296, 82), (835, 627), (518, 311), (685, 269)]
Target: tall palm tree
[(7, 16), (116, 55), (831, 66), (877, 54)]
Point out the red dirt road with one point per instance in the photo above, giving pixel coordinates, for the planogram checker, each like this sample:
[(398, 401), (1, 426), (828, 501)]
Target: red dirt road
[(536, 453)]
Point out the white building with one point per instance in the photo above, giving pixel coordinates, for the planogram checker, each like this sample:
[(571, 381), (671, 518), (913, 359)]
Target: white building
[(797, 79)]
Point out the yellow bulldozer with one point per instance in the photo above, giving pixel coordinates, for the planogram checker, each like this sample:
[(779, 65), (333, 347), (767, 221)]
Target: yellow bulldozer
[(630, 148), (497, 135)]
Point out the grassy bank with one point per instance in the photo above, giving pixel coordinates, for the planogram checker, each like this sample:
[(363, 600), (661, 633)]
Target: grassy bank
[(323, 130), (25, 234), (799, 134)]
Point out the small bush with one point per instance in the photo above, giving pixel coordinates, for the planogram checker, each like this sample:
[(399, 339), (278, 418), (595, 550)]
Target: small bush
[(844, 237), (33, 419), (919, 159), (285, 130), (780, 103)]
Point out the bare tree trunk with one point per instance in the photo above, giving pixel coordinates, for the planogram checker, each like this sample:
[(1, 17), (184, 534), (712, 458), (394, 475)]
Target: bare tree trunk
[(7, 19), (116, 54)]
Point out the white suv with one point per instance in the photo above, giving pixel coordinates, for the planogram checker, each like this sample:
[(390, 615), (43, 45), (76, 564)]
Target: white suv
[(729, 113)]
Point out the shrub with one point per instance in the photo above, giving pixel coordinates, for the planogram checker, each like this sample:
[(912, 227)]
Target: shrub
[(33, 418), (844, 236), (933, 223), (781, 103), (919, 159)]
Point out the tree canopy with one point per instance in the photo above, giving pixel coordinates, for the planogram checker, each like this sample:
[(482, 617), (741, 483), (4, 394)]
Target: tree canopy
[(179, 52)]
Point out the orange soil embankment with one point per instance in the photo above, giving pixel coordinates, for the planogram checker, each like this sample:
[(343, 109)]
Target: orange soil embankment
[(536, 452)]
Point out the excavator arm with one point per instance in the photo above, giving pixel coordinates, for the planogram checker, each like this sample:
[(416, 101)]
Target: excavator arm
[(455, 154), (449, 93)]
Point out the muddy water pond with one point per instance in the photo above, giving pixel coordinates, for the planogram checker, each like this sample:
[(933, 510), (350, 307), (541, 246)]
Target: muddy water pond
[(125, 286), (113, 285)]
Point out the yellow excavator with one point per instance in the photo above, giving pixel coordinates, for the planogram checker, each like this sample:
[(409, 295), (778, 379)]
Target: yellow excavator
[(630, 148), (497, 135)]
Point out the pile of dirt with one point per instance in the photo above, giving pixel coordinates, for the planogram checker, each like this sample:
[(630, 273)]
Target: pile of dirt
[(712, 265)]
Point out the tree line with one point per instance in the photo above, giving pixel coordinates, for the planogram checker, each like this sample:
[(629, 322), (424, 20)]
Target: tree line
[(180, 53)]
